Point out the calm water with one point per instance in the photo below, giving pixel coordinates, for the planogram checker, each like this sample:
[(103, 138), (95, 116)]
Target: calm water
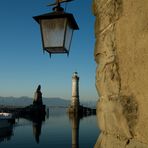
[(57, 131)]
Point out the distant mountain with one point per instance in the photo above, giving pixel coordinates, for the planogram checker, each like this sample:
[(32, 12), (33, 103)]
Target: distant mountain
[(56, 102), (24, 101)]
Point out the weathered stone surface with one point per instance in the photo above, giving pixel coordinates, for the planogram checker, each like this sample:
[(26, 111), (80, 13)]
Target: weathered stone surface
[(112, 141), (121, 54)]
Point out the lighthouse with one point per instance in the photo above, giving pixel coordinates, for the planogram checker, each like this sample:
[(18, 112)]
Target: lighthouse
[(75, 92)]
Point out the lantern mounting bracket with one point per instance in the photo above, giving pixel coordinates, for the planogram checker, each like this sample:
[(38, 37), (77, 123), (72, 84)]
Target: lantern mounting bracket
[(57, 4)]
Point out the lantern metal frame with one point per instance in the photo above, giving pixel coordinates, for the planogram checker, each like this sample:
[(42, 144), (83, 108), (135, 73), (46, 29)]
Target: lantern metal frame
[(58, 13)]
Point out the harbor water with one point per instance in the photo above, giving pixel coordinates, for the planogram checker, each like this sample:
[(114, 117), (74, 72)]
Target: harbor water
[(58, 130)]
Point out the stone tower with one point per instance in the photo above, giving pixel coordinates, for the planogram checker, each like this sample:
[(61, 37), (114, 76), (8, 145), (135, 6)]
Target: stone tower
[(75, 91)]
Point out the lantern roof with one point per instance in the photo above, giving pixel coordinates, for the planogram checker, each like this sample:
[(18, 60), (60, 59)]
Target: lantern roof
[(58, 14)]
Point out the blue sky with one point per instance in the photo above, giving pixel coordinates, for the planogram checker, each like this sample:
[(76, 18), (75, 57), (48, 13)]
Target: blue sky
[(22, 62)]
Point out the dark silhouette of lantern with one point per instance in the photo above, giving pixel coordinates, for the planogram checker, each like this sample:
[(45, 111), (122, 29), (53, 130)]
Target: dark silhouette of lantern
[(57, 29)]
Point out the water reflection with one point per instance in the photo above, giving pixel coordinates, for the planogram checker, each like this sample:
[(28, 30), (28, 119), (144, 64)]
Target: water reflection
[(6, 130), (37, 126), (58, 130), (75, 120)]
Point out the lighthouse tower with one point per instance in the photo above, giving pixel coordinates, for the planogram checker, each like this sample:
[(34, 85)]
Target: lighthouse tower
[(75, 92)]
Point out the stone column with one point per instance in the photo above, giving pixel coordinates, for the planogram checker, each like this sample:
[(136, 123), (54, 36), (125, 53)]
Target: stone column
[(75, 91), (121, 54)]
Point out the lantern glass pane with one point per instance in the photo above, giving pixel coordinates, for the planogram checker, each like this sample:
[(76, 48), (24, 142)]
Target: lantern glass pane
[(68, 37), (53, 32)]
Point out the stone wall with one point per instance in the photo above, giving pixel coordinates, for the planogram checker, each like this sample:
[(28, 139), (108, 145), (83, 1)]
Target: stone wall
[(121, 54)]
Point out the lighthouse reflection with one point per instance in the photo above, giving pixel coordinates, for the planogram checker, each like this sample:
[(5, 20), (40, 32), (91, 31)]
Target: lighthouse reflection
[(75, 120)]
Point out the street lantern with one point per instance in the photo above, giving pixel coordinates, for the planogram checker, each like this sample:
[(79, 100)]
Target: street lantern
[(57, 29)]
